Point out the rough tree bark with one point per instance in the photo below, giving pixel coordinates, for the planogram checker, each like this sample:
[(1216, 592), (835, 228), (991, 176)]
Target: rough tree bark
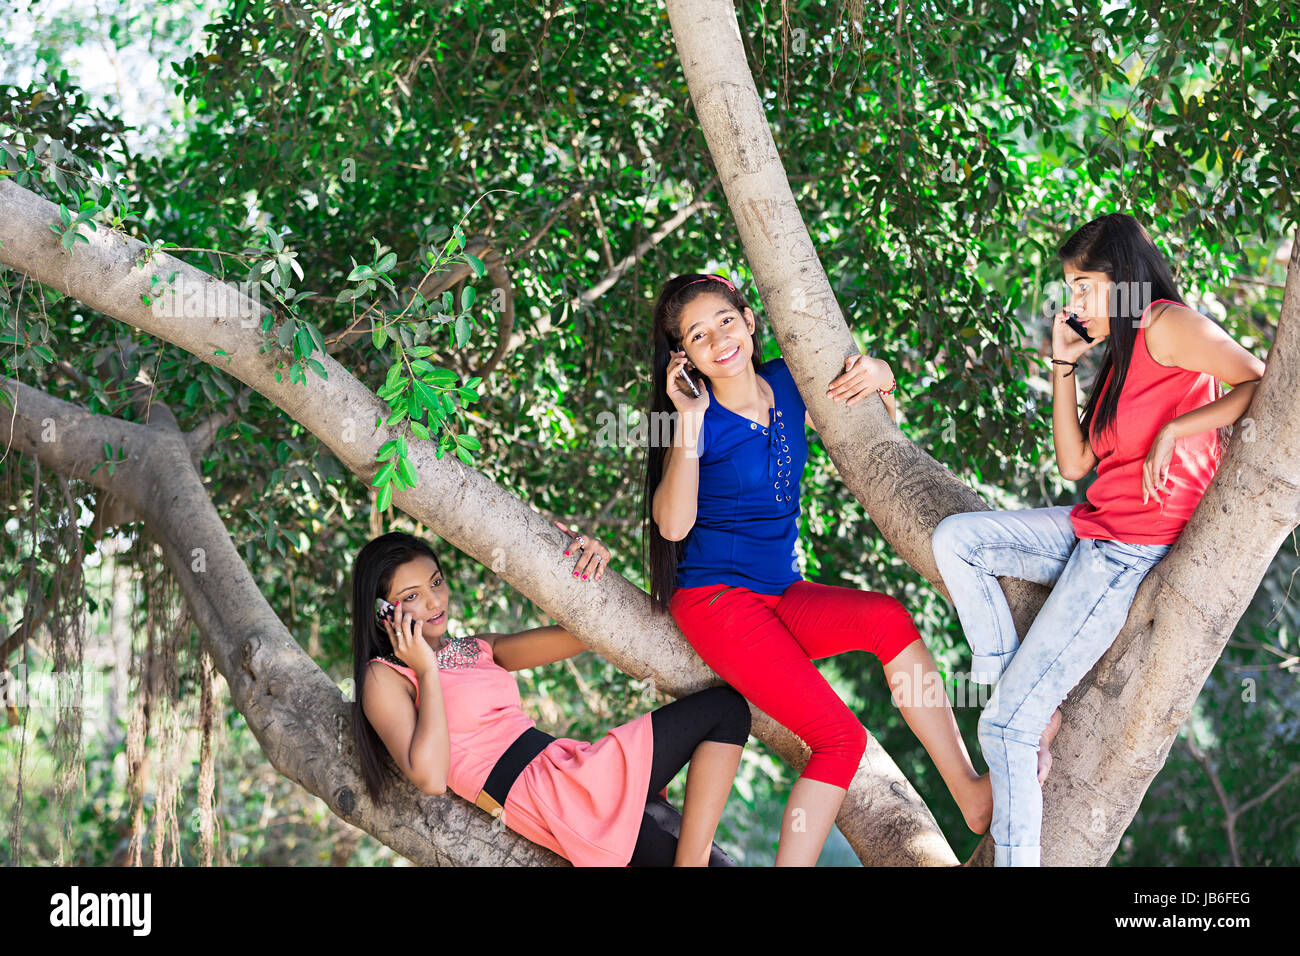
[(298, 715), (293, 707), (1116, 732)]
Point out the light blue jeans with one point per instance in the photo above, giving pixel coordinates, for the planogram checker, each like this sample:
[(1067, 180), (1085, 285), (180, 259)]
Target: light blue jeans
[(1093, 584)]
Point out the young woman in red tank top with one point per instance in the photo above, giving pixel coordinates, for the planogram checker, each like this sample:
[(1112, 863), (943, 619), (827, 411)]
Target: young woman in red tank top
[(448, 713), (1153, 428)]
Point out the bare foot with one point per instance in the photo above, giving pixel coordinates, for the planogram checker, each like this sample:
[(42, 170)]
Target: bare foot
[(1045, 744), (976, 803)]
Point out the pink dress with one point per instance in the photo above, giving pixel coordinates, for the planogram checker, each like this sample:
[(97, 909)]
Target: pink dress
[(583, 801)]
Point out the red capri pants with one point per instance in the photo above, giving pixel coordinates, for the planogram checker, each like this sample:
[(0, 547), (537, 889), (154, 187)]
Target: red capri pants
[(764, 646)]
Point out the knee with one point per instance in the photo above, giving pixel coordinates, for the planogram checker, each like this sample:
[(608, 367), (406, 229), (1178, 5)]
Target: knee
[(991, 726), (733, 716), (892, 624), (948, 538), (846, 741), (944, 536)]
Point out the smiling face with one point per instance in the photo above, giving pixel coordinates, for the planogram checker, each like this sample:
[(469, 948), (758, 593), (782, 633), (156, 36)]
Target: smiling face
[(718, 340), (1089, 299), (420, 589)]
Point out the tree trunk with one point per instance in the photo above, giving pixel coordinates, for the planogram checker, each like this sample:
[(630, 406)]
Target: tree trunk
[(298, 715), (884, 819), (1185, 611)]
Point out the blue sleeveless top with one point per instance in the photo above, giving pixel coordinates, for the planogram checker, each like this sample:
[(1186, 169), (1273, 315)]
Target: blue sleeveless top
[(747, 518)]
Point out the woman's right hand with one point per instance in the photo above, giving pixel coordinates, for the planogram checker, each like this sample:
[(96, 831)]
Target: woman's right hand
[(677, 392), (1067, 344), (405, 634)]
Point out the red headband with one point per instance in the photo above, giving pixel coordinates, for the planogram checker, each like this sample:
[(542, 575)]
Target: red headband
[(715, 278)]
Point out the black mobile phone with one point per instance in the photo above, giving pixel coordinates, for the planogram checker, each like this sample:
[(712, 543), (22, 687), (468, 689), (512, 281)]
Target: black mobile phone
[(1072, 320), (383, 610)]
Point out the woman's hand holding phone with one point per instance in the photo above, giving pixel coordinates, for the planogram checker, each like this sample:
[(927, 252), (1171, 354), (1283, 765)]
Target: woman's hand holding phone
[(678, 393), (1066, 343), (405, 634)]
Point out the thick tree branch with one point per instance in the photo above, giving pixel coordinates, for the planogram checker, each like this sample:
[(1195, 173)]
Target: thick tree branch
[(298, 715), (1115, 735), (888, 823)]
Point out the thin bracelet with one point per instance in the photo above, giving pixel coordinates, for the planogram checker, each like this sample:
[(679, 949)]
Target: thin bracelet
[(1073, 366), (893, 385)]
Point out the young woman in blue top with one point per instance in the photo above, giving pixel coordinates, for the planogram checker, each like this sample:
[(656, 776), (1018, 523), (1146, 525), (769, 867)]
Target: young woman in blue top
[(722, 514)]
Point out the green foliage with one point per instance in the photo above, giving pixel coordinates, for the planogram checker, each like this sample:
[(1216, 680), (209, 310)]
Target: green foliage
[(939, 157)]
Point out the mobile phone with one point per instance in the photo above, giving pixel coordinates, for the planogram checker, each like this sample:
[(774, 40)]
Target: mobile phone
[(383, 610), (1073, 322), (691, 387), (685, 376)]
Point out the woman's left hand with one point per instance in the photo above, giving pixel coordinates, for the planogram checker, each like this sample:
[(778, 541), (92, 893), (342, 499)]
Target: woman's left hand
[(1155, 470), (592, 559), (862, 376)]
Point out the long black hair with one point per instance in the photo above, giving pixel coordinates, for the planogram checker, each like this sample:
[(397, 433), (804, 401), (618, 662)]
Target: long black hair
[(660, 554), (1117, 245), (372, 576)]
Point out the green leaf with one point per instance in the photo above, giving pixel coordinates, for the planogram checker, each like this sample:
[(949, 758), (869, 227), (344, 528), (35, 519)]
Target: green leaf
[(464, 456), (463, 329), (385, 496), (384, 475), (386, 263), (468, 441), (425, 395), (407, 471), (441, 378), (316, 336), (379, 336), (419, 430), (476, 264), (467, 297), (286, 333), (467, 395)]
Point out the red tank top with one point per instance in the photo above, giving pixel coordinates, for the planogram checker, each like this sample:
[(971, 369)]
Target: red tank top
[(1153, 395)]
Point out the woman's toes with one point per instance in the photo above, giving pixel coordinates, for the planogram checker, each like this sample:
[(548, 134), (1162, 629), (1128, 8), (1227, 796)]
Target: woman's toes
[(1053, 726)]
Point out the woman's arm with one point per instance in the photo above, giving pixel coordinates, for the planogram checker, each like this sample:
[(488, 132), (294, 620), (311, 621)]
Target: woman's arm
[(533, 648), (860, 378), (1185, 338), (1074, 455), (417, 738), (545, 645), (677, 496)]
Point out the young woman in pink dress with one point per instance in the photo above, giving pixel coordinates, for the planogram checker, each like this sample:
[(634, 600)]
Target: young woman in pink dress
[(448, 712)]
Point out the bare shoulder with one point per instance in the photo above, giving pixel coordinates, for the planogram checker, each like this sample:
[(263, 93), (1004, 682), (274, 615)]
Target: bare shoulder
[(386, 681), (1169, 323)]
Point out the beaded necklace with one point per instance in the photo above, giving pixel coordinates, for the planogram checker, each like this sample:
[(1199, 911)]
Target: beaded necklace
[(459, 653)]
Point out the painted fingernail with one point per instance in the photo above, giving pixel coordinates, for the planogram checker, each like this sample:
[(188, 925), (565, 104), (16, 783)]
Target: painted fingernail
[(575, 574), (584, 577)]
